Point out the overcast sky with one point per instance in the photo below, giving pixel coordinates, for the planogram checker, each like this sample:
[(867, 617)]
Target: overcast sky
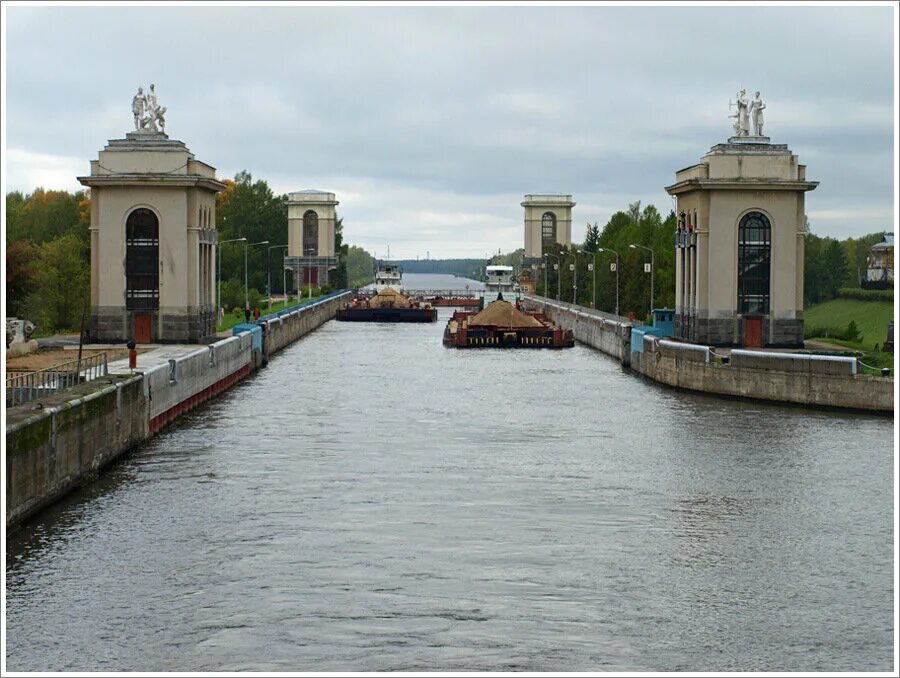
[(431, 123)]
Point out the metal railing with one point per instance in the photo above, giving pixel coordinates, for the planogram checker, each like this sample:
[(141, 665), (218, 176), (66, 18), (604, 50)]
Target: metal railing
[(23, 387)]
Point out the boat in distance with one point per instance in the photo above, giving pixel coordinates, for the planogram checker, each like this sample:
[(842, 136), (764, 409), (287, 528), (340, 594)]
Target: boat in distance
[(502, 325), (387, 306)]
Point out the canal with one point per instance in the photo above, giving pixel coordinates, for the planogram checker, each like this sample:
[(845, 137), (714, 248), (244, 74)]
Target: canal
[(373, 501)]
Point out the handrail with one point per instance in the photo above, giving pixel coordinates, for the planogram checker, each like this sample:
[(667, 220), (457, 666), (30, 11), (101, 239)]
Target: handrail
[(885, 371), (27, 386)]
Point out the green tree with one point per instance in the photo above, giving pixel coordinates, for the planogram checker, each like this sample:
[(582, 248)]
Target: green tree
[(249, 209), (61, 286), (360, 266), (592, 238), (21, 275)]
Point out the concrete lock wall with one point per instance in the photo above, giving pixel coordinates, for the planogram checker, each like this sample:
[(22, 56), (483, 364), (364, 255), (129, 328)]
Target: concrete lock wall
[(604, 331), (53, 450), (831, 381), (287, 328)]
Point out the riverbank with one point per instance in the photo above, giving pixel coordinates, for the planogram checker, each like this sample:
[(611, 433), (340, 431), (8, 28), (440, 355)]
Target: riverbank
[(56, 443), (811, 380)]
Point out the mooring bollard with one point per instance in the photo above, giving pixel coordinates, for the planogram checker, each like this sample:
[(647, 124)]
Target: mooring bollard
[(132, 355)]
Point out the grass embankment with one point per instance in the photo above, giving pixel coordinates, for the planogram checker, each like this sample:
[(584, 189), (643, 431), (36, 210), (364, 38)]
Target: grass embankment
[(232, 319), (871, 318)]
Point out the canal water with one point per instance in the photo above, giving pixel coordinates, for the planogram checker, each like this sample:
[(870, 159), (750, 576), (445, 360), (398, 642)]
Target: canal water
[(374, 501)]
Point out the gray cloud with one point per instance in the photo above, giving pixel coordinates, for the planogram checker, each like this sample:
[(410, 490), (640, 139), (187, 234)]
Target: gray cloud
[(433, 122)]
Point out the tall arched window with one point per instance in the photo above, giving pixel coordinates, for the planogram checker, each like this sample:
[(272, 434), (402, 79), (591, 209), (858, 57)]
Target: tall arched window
[(548, 228), (754, 255), (310, 233), (142, 260)]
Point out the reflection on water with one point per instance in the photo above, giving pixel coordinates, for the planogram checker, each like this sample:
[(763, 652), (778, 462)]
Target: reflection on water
[(373, 501)]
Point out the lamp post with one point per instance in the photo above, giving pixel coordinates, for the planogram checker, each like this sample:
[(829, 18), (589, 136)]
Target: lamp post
[(593, 266), (557, 276), (652, 270), (269, 275), (575, 254), (606, 249), (247, 246), (219, 276)]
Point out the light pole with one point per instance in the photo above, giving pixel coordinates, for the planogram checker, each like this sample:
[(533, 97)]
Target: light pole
[(606, 249), (652, 270), (219, 276), (593, 266), (246, 292), (269, 275), (575, 254), (557, 276)]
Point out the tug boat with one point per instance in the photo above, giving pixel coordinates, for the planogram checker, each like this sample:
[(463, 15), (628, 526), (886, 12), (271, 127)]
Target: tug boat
[(499, 284), (502, 325), (387, 306), (388, 276)]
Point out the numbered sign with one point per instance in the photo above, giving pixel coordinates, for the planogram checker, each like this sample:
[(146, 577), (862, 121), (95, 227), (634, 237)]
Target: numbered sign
[(571, 267), (590, 267), (612, 266), (646, 268)]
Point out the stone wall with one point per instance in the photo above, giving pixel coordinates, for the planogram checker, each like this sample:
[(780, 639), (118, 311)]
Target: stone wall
[(57, 444), (286, 328), (763, 375), (52, 450), (604, 331)]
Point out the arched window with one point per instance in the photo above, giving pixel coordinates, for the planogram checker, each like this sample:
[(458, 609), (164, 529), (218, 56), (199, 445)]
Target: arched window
[(310, 234), (142, 260), (548, 228), (754, 250)]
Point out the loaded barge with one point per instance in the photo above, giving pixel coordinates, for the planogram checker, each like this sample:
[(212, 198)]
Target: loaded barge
[(502, 325), (388, 306)]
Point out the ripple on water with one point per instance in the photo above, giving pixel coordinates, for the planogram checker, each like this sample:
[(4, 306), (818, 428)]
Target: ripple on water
[(373, 501)]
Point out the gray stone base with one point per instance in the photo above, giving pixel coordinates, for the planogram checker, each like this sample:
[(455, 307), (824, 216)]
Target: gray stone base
[(786, 333), (110, 324)]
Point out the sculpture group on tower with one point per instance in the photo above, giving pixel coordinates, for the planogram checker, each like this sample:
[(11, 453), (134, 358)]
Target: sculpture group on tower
[(748, 110), (149, 116)]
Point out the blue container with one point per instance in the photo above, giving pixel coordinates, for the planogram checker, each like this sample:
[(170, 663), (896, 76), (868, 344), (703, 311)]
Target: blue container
[(255, 334)]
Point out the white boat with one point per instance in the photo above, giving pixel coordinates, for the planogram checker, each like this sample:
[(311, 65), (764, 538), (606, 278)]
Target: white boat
[(388, 275), (500, 282)]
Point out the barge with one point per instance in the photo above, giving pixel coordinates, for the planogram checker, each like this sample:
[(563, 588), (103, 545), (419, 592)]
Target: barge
[(502, 325), (387, 306)]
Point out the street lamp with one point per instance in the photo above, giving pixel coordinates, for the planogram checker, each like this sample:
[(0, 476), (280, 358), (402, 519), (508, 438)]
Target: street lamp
[(652, 270), (606, 249), (246, 247), (269, 275), (219, 276), (557, 276), (575, 254)]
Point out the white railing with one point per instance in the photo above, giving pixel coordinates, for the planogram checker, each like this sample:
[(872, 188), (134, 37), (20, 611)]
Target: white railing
[(23, 387)]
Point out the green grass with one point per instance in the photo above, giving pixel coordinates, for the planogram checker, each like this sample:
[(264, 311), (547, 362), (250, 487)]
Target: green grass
[(232, 319), (871, 318)]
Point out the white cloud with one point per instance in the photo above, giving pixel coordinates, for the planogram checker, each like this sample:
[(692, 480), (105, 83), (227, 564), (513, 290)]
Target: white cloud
[(26, 170)]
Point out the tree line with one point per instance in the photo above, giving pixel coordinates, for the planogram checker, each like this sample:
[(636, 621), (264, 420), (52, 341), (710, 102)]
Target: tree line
[(48, 256)]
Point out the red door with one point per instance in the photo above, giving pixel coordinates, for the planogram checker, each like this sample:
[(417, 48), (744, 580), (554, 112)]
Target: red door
[(753, 332), (142, 328)]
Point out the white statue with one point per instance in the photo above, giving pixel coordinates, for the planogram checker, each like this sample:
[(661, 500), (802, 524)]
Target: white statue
[(149, 116), (743, 113), (137, 107), (756, 107)]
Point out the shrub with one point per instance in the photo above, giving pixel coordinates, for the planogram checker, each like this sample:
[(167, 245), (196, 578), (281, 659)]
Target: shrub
[(325, 289), (852, 333), (860, 294)]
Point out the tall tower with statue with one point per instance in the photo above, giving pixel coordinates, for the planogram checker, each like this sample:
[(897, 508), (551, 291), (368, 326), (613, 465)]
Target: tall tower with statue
[(739, 240), (153, 235)]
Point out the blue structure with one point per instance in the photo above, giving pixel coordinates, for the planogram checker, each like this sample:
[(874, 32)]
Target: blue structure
[(663, 326), (255, 334)]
